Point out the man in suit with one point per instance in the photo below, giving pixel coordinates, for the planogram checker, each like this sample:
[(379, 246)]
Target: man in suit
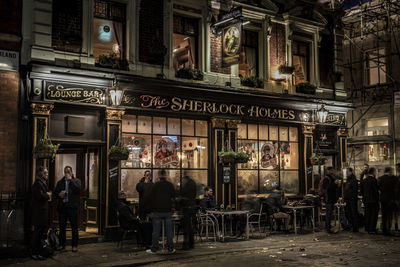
[(67, 191), (370, 194), (388, 187), (40, 211)]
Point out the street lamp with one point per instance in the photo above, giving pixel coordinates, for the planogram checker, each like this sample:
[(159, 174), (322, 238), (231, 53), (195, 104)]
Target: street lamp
[(116, 93), (322, 113)]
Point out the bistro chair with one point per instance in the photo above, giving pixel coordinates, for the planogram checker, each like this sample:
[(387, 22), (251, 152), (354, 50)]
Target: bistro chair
[(207, 221), (255, 219), (124, 231)]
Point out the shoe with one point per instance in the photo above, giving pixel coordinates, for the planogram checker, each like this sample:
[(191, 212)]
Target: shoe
[(171, 251), (150, 251), (35, 257), (74, 249)]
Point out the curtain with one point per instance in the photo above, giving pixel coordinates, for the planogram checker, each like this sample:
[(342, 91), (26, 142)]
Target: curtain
[(251, 60), (118, 36)]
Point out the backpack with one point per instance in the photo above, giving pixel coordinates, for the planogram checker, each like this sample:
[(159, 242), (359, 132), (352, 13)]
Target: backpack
[(54, 240)]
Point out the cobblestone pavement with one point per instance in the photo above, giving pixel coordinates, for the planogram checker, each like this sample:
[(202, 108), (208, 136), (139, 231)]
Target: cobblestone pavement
[(307, 249)]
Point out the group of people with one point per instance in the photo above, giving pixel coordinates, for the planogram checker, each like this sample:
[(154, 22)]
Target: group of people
[(381, 193), (67, 193)]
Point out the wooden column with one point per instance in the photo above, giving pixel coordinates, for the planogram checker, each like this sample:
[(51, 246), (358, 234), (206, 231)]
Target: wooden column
[(308, 151), (342, 145)]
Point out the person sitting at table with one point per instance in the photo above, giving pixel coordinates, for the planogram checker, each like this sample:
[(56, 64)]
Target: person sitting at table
[(274, 202), (208, 201), (251, 204)]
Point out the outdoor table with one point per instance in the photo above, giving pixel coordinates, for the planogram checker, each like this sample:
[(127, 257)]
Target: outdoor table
[(222, 213), (339, 206), (295, 209)]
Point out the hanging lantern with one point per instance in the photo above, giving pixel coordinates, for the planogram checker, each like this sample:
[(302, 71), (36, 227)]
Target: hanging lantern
[(116, 93), (322, 114)]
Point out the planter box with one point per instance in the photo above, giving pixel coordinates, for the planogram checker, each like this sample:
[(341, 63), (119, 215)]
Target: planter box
[(44, 154)]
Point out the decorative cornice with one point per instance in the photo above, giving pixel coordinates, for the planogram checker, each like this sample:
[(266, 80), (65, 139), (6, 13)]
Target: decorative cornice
[(218, 122), (342, 132), (308, 129), (41, 109), (232, 124), (114, 114)]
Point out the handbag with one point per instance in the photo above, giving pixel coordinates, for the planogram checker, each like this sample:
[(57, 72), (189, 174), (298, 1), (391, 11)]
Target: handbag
[(53, 238)]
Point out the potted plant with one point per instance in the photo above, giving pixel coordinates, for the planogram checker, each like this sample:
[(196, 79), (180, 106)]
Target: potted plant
[(113, 61), (242, 157), (190, 74), (45, 149), (252, 81), (306, 88), (317, 159), (118, 152), (285, 69), (227, 157)]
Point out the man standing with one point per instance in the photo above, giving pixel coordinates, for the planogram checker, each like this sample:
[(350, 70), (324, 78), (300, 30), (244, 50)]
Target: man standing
[(67, 191), (370, 194), (388, 187), (40, 211), (330, 185), (162, 196), (364, 172), (351, 198), (144, 190), (208, 201), (188, 195)]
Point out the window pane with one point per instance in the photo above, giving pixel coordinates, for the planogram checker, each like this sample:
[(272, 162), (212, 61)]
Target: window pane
[(377, 122), (165, 150), (159, 126), (129, 123), (107, 39), (140, 151), (290, 181), (144, 124), (200, 177), (263, 131), (273, 132), (129, 179), (283, 133), (289, 155), (293, 134), (174, 126), (174, 176), (194, 152), (268, 180), (378, 152), (269, 155), (201, 128), (242, 131), (247, 182), (188, 127), (252, 131), (249, 146)]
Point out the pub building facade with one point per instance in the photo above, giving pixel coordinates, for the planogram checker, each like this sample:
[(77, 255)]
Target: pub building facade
[(177, 124)]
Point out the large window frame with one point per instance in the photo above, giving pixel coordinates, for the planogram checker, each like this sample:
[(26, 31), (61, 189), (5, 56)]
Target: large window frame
[(247, 44), (375, 66), (302, 49)]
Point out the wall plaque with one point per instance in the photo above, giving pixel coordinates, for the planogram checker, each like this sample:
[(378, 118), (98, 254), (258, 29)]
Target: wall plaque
[(73, 93)]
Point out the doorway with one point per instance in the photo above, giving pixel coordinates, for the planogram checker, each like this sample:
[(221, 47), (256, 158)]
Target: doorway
[(85, 163)]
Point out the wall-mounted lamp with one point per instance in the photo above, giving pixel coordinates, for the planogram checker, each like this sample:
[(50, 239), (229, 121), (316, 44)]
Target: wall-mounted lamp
[(322, 114), (116, 93)]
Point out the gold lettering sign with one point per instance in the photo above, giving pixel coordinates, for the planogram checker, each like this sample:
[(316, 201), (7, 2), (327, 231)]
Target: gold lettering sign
[(79, 95)]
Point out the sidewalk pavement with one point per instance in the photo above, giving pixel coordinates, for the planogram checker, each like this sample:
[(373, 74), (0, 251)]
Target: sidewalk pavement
[(107, 253)]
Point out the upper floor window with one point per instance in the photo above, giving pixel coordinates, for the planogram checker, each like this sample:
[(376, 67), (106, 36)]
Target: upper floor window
[(301, 61), (185, 43), (248, 65), (108, 29), (375, 66), (377, 127)]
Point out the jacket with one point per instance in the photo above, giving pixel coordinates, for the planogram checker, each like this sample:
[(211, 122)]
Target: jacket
[(74, 191), (162, 196), (126, 218), (188, 193), (331, 189), (144, 190), (369, 190), (388, 186), (207, 203), (351, 188), (274, 201), (40, 204)]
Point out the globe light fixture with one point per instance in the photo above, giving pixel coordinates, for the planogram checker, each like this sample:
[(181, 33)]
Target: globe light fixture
[(322, 114), (116, 93)]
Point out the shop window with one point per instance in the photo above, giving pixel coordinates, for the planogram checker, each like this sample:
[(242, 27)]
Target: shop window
[(248, 64), (378, 152), (108, 29), (377, 127), (301, 61), (375, 66), (185, 43), (157, 143), (247, 181), (274, 157)]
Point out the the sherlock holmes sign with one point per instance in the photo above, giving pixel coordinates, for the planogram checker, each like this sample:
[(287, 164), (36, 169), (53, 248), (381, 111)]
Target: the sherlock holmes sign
[(77, 94), (231, 44)]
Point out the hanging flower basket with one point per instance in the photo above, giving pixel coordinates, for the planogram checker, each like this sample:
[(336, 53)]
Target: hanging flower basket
[(318, 159), (232, 157), (241, 157), (45, 149), (285, 69), (118, 152)]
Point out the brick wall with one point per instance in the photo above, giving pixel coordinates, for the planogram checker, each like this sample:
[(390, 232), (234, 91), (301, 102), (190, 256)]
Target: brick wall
[(216, 55), (150, 30), (277, 47), (9, 84)]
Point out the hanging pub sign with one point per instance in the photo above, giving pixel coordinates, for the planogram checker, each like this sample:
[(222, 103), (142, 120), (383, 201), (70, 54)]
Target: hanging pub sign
[(325, 139), (231, 41), (336, 119), (73, 93)]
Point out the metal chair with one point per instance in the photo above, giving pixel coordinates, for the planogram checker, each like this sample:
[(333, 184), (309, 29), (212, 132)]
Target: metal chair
[(255, 219), (207, 221)]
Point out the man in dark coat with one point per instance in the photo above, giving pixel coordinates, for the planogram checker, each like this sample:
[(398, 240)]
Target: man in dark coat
[(331, 188), (388, 186), (188, 202), (68, 191), (208, 201), (351, 198), (40, 211), (274, 202), (144, 190), (370, 194)]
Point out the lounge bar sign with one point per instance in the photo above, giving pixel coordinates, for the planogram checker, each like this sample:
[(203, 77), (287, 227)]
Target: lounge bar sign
[(76, 94)]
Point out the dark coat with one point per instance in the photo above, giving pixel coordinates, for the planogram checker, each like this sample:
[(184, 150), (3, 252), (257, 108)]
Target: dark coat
[(369, 190), (74, 191), (207, 203), (127, 219), (144, 190), (351, 188), (40, 204), (388, 185), (331, 189), (188, 193), (274, 201), (162, 196)]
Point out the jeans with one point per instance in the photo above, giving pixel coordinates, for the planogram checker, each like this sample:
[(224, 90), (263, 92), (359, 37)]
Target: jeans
[(157, 218), (329, 211), (352, 213), (70, 214)]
